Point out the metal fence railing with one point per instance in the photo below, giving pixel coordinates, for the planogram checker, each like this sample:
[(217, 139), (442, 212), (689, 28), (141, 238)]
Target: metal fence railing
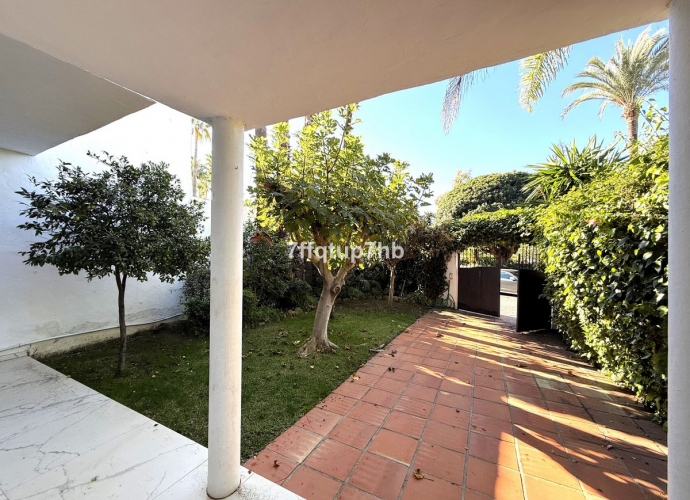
[(526, 257)]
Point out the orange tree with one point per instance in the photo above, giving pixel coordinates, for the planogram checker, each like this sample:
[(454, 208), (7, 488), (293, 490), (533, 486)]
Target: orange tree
[(125, 221)]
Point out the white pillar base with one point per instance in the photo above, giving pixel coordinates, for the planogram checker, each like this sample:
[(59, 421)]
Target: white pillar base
[(225, 355)]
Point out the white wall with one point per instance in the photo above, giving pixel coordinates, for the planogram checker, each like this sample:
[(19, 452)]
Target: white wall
[(37, 303), (452, 277)]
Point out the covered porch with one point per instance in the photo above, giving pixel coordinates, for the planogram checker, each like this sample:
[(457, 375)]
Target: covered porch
[(265, 62)]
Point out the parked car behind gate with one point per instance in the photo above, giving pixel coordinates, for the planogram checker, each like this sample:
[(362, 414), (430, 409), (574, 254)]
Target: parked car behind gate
[(509, 282)]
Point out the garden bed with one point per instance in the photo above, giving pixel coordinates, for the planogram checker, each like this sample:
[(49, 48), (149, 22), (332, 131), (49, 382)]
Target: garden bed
[(167, 377)]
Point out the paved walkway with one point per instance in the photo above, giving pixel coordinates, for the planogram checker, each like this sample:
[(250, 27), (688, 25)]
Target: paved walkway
[(479, 412)]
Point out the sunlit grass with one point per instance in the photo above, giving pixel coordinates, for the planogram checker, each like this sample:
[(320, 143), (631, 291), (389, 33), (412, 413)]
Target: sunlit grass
[(167, 377)]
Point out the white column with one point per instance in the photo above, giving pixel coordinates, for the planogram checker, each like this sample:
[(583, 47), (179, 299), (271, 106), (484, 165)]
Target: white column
[(679, 244), (225, 357)]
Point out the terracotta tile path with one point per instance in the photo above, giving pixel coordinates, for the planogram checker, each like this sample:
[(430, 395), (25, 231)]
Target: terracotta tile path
[(483, 412)]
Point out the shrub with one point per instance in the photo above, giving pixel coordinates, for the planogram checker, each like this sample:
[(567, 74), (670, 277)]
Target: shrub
[(418, 297), (605, 251), (267, 267), (298, 294), (196, 296), (485, 193), (253, 314), (431, 276)]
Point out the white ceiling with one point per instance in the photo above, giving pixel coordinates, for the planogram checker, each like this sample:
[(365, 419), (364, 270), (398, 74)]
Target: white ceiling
[(45, 102), (263, 61)]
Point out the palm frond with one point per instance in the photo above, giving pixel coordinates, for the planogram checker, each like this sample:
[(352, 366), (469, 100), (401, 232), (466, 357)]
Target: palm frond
[(455, 92), (537, 72)]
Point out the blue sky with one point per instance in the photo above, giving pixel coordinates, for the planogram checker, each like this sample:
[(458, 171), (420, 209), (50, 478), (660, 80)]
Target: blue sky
[(492, 133)]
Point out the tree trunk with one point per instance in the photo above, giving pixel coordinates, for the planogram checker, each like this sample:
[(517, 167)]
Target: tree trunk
[(631, 117), (632, 129), (195, 168), (319, 334), (330, 290), (121, 283), (391, 287)]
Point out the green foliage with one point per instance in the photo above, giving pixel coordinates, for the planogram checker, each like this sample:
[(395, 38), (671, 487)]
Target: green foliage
[(432, 246), (537, 72), (267, 268), (569, 167), (298, 294), (196, 297), (483, 194), (499, 233), (204, 173), (124, 220), (325, 190), (605, 250)]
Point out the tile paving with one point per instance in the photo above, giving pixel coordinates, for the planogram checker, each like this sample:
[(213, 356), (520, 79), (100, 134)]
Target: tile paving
[(483, 412)]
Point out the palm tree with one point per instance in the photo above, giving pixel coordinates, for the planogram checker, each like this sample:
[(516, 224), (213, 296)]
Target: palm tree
[(536, 73), (569, 167), (635, 72), (200, 132)]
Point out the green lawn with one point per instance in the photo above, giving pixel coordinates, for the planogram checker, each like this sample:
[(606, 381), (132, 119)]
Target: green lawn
[(168, 370)]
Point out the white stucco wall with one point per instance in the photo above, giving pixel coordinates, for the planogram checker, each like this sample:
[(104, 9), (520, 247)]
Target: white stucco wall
[(37, 303)]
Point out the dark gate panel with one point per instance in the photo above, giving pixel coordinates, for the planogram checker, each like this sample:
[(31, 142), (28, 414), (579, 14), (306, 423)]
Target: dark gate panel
[(533, 311), (479, 290)]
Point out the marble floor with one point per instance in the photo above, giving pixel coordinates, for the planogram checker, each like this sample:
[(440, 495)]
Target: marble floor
[(61, 440)]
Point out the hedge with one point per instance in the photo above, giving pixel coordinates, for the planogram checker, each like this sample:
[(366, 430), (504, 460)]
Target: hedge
[(605, 251)]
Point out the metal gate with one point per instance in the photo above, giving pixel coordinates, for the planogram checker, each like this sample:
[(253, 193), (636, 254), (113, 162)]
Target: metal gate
[(479, 286), (479, 290), (533, 311)]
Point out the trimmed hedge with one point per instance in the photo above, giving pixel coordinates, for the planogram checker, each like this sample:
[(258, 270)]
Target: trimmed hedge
[(605, 251)]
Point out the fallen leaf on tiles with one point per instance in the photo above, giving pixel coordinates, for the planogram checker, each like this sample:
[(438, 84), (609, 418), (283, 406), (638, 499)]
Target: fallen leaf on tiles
[(521, 364), (418, 474), (439, 335), (355, 377), (276, 464)]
